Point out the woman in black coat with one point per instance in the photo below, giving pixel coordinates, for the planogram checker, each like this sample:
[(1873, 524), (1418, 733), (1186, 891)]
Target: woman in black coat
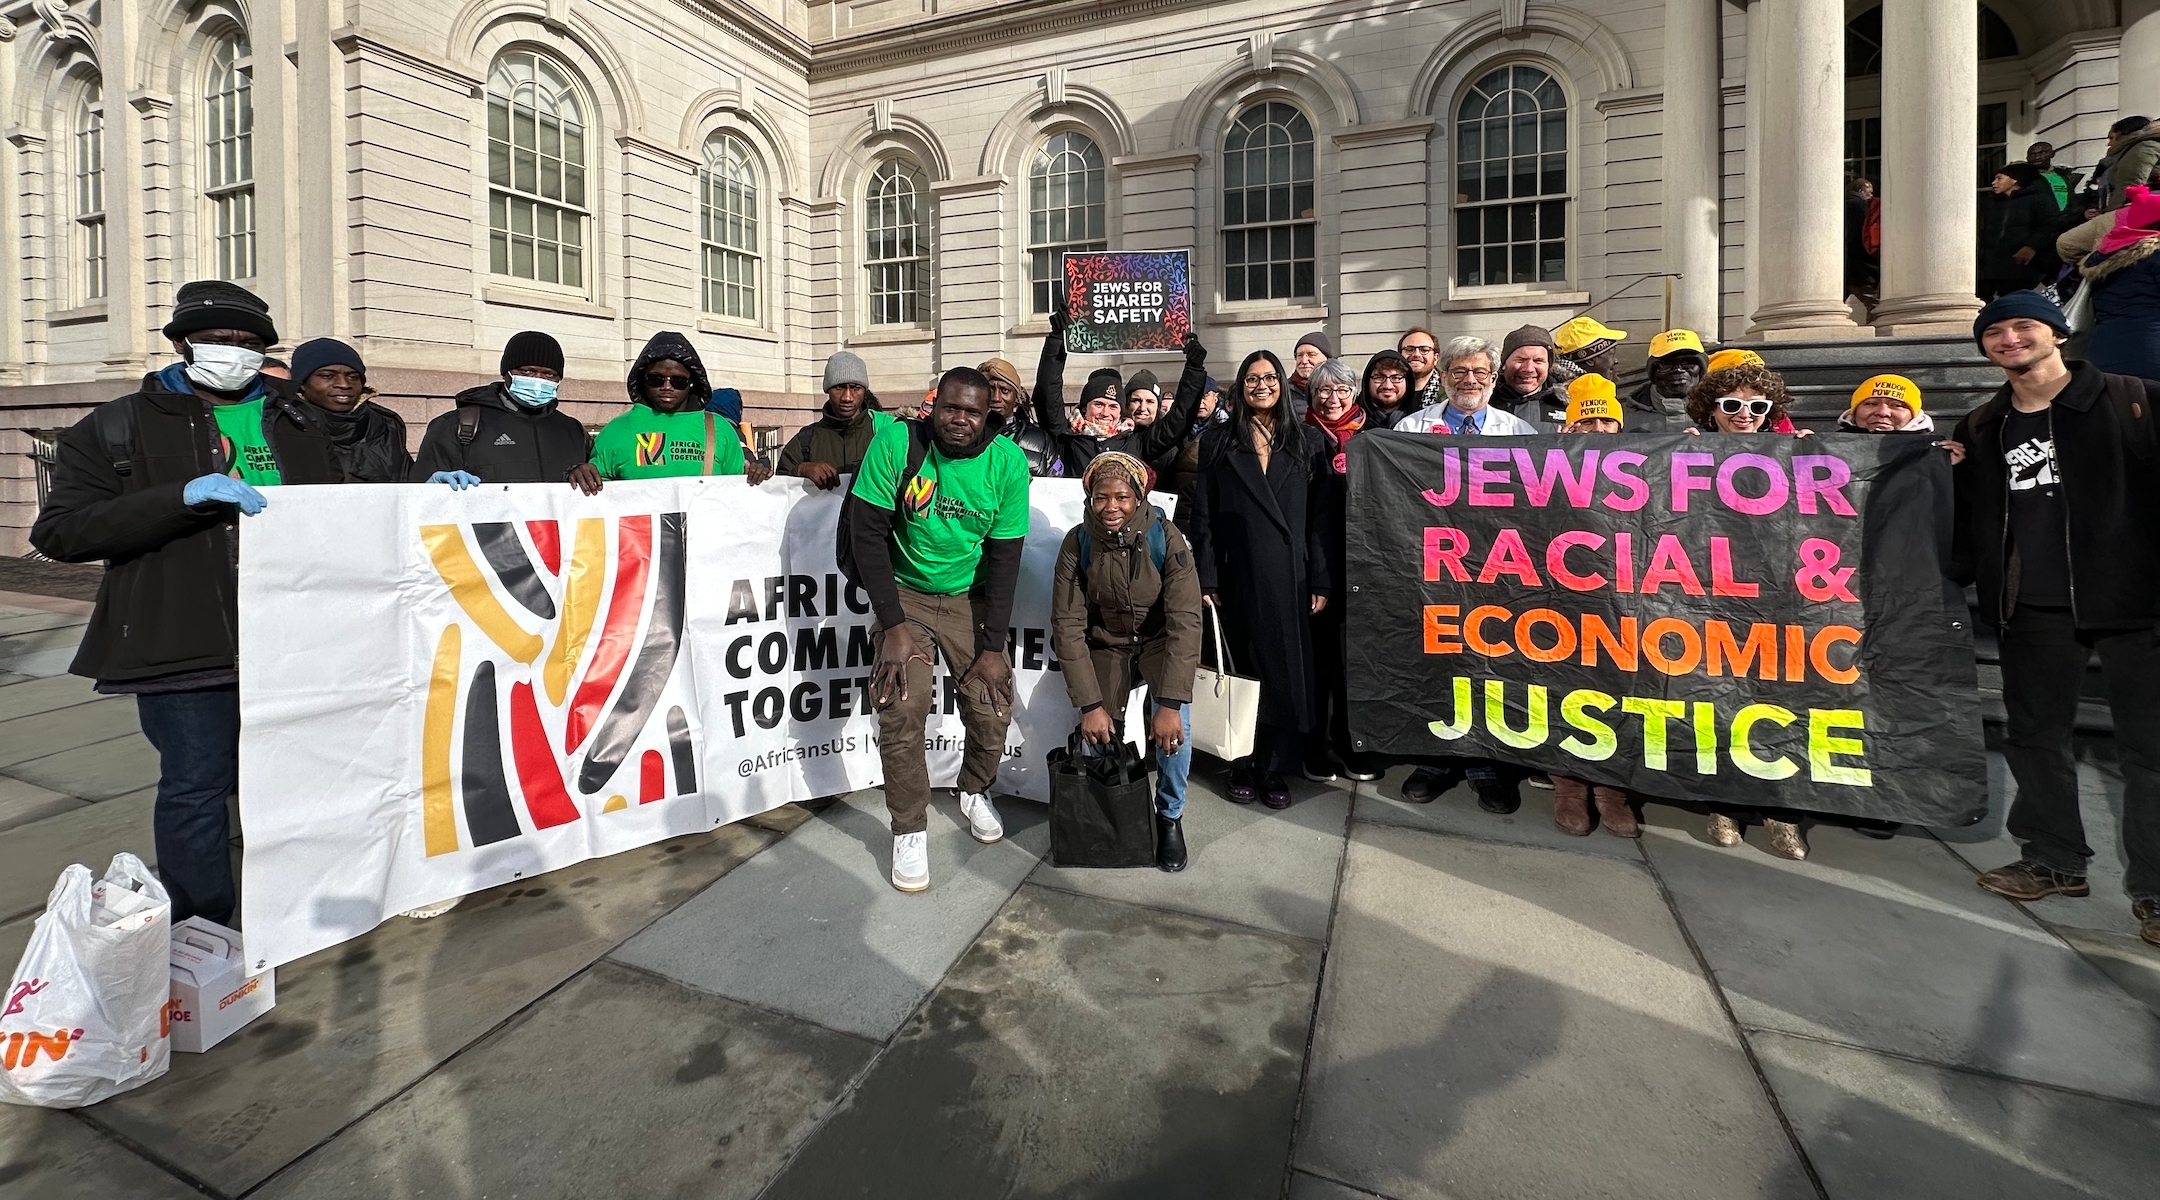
[(2017, 226), (1259, 533)]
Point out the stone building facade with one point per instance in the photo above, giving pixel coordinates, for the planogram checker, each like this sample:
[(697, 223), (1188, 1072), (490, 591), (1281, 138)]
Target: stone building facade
[(784, 178)]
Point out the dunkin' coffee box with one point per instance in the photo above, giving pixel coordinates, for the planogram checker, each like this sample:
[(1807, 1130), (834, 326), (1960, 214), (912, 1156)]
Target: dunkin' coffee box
[(212, 993)]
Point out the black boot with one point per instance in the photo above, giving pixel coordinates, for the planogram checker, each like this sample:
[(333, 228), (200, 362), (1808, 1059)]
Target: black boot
[(1497, 796), (1169, 843)]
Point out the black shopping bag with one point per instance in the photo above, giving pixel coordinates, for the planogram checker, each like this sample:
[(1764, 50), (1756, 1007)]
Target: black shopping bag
[(1102, 807)]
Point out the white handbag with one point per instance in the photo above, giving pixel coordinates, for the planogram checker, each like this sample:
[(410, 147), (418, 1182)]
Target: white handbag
[(1225, 705)]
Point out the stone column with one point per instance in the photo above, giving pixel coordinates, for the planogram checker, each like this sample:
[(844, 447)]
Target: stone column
[(2137, 60), (273, 95), (1693, 144), (33, 244), (1802, 229), (1383, 291), (128, 314), (1930, 208), (316, 305), (972, 250)]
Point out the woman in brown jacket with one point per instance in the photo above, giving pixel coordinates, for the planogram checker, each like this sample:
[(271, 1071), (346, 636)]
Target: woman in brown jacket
[(1125, 601)]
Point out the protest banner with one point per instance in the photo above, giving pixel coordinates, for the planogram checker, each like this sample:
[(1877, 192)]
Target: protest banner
[(460, 689), (1127, 301), (1749, 619)]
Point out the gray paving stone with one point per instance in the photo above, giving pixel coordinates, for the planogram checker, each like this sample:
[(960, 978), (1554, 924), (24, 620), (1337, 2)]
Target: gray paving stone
[(40, 664), (1889, 945), (1307, 1186), (1082, 1048), (14, 938), (1456, 812), (95, 772), (1986, 846), (49, 1155), (39, 735), (29, 620), (1504, 1021), (22, 803), (2132, 962), (359, 1023), (33, 855), (620, 1084), (1876, 1126), (815, 929), (45, 695), (1250, 864)]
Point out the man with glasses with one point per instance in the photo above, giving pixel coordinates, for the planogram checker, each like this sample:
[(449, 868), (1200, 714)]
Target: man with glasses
[(1467, 374), (1421, 350), (513, 430), (154, 484)]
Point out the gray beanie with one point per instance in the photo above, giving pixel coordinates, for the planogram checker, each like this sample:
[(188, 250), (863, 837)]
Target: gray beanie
[(843, 368)]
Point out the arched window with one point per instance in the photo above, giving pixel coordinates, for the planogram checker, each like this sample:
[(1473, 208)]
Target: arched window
[(1268, 211), (1065, 210), (90, 192), (1511, 179), (896, 222), (732, 261), (536, 172), (229, 152)]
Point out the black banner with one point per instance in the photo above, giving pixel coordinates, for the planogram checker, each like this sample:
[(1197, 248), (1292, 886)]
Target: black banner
[(1753, 619)]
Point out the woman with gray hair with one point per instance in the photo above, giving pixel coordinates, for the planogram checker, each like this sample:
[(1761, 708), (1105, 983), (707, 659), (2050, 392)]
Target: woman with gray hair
[(1336, 414), (1469, 368)]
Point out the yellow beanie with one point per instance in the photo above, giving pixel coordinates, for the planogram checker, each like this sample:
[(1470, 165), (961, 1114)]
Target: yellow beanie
[(1673, 341), (1591, 397), (1725, 360), (1888, 387), (1583, 333)]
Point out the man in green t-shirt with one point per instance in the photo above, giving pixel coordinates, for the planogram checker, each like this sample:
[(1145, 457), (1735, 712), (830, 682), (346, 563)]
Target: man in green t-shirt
[(939, 555), (668, 431)]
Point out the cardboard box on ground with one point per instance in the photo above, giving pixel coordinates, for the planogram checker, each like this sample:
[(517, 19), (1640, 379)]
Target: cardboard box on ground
[(212, 994)]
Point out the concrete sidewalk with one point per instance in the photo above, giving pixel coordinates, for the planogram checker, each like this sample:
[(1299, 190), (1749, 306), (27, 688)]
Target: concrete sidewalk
[(1354, 998)]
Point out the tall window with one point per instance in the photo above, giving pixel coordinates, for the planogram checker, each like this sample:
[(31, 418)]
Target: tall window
[(1511, 179), (1065, 211), (536, 172), (1863, 149), (728, 229), (1994, 145), (90, 192), (896, 219), (229, 149), (1268, 205)]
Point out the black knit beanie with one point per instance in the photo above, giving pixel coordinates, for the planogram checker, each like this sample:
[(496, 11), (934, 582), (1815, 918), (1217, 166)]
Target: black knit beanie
[(532, 348), (216, 304), (1103, 381)]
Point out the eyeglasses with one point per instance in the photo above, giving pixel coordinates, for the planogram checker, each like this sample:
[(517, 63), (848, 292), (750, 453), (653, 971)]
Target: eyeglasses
[(1341, 390), (1732, 405), (1469, 373), (1390, 377), (667, 383), (1263, 382), (1421, 351)]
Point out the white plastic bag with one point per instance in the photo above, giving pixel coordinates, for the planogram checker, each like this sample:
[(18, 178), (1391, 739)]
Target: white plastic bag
[(86, 1016)]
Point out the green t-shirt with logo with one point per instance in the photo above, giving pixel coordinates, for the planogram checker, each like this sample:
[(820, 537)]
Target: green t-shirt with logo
[(952, 507), (248, 453), (644, 444)]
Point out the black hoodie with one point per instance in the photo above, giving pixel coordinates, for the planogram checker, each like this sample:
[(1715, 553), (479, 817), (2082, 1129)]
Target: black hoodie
[(370, 441), (509, 443)]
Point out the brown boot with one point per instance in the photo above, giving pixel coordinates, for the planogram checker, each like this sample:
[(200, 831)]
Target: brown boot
[(1571, 805), (1615, 814), (2147, 910), (2029, 880)]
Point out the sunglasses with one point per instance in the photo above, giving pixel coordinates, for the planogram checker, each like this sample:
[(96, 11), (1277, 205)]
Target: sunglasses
[(1734, 405), (668, 383)]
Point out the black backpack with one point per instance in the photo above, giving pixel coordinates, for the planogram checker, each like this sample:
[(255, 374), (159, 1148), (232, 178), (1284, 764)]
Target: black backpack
[(844, 551)]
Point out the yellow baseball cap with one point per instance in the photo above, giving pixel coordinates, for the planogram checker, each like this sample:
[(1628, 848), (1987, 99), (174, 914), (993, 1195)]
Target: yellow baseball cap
[(1888, 387), (1726, 360), (1591, 397), (1584, 332), (1673, 341)]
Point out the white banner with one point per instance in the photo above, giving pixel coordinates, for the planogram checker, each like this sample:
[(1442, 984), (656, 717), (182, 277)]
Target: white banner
[(445, 691)]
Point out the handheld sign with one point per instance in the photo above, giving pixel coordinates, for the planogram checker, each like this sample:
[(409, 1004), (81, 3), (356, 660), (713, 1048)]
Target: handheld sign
[(1127, 300)]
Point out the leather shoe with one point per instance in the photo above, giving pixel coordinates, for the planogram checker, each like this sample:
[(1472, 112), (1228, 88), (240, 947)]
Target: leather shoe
[(1276, 793), (1497, 796), (1426, 784), (1169, 843)]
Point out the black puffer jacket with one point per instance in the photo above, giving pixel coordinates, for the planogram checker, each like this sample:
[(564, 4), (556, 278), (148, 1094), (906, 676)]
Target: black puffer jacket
[(2023, 219), (1149, 443), (166, 605), (2107, 454), (1649, 412), (370, 441), (1035, 444), (1544, 409), (510, 443)]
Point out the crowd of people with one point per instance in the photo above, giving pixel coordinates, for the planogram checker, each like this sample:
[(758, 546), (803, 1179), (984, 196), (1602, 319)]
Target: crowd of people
[(2055, 480)]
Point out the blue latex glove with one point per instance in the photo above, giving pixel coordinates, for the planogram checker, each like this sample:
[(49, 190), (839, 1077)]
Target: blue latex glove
[(223, 489), (458, 480)]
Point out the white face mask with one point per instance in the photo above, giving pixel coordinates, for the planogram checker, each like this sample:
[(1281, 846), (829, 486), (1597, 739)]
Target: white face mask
[(224, 368)]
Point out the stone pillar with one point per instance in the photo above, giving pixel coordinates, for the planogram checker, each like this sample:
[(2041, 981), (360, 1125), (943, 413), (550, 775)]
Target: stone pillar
[(272, 93), (1802, 231), (128, 330), (34, 245), (316, 307), (971, 255), (824, 259), (1693, 145), (2137, 60), (11, 261), (794, 283), (1930, 209), (1383, 291)]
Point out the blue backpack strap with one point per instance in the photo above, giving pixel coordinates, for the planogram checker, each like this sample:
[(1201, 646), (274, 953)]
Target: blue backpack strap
[(1087, 552), (1158, 540)]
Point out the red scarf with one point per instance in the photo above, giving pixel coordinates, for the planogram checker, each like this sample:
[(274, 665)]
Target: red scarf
[(1341, 429)]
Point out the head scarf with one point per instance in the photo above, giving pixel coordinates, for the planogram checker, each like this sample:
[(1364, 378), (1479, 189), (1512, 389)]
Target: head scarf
[(1114, 463)]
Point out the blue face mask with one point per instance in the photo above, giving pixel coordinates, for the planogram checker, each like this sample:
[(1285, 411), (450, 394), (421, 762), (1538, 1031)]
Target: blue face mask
[(530, 392)]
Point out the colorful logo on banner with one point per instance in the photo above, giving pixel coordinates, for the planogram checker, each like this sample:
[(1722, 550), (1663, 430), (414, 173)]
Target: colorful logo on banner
[(574, 644)]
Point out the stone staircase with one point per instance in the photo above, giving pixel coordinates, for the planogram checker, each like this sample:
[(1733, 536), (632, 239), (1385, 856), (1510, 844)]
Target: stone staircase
[(1954, 379)]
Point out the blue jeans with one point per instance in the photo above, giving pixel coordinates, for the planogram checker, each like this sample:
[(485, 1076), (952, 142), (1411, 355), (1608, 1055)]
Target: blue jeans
[(1172, 770), (197, 737)]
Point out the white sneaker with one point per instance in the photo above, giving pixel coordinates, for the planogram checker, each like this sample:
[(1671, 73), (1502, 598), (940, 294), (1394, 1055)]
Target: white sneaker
[(911, 861), (982, 817)]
